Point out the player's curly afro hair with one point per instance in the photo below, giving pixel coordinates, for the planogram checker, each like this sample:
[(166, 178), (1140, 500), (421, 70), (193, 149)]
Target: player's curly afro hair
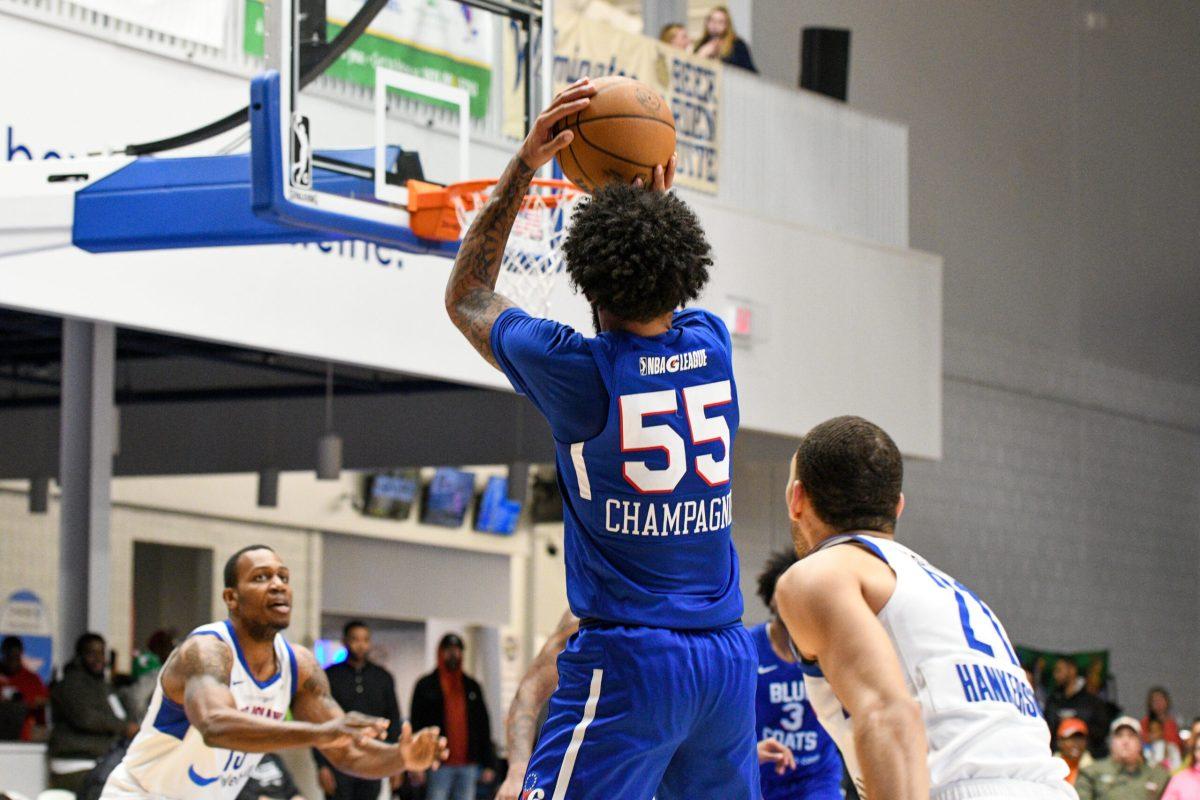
[(777, 564), (637, 254)]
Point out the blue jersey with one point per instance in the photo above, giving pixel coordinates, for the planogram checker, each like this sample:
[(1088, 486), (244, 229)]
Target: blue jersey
[(644, 430), (782, 712)]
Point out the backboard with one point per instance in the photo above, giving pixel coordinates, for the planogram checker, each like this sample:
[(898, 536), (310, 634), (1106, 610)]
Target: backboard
[(416, 96)]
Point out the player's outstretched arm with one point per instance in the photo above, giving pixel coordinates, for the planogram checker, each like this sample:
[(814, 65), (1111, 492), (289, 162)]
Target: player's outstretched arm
[(197, 677), (356, 751), (822, 603), (537, 684), (471, 298)]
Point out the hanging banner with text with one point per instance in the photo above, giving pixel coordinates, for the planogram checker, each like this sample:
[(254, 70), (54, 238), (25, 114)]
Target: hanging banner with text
[(692, 85)]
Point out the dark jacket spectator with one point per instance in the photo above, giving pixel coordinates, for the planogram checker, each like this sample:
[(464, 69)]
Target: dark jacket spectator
[(1071, 700), (88, 718), (720, 41), (429, 701), (20, 685), (358, 685)]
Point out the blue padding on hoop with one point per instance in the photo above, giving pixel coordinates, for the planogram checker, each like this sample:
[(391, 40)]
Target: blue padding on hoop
[(157, 203), (271, 203), (214, 201)]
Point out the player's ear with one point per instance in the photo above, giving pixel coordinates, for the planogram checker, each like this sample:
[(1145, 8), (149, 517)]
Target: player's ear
[(795, 499), (900, 506), (230, 598)]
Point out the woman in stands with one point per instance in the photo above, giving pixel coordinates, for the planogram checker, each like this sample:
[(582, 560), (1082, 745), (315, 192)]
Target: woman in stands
[(721, 41)]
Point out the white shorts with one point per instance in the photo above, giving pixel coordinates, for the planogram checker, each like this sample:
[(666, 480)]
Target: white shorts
[(121, 786), (1004, 790)]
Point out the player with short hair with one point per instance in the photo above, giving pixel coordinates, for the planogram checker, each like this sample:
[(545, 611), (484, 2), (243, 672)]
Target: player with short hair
[(223, 695), (657, 689), (908, 670)]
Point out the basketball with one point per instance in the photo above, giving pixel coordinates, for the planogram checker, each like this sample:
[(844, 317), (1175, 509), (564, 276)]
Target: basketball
[(622, 135)]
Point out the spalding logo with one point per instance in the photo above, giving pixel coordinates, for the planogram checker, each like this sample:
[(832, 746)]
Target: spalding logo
[(649, 100)]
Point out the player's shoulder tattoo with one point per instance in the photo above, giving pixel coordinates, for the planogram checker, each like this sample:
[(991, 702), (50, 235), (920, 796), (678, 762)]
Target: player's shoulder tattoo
[(198, 656), (309, 675)]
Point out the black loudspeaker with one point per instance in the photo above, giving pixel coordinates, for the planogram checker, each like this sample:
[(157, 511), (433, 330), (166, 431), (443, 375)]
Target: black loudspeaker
[(825, 61)]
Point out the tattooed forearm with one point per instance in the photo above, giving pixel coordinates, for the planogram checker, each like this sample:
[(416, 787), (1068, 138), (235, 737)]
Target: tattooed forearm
[(522, 730), (471, 299)]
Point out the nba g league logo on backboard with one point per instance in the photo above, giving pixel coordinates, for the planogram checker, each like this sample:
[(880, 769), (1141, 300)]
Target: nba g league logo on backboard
[(301, 153)]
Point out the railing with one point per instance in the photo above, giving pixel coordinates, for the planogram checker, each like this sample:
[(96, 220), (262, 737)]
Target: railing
[(784, 154)]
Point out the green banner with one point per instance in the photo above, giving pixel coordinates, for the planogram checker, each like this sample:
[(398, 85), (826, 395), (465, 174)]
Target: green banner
[(357, 65)]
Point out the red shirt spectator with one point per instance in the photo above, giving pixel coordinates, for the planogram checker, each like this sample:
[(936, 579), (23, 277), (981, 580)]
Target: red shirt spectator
[(1158, 706), (19, 683)]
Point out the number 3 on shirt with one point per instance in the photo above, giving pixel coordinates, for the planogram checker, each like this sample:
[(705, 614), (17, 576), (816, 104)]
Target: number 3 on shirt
[(637, 436)]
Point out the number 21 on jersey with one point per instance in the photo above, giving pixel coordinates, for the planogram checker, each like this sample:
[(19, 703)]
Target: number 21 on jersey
[(637, 436)]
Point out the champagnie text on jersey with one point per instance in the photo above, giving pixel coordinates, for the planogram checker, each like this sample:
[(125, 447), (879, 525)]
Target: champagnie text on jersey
[(638, 518)]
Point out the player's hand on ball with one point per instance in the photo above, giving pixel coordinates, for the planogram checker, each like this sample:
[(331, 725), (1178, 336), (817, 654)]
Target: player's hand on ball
[(664, 176), (424, 750), (775, 752), (541, 144), (352, 727)]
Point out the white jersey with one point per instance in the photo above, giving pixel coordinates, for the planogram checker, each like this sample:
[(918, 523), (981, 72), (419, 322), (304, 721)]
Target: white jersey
[(986, 734), (169, 759)]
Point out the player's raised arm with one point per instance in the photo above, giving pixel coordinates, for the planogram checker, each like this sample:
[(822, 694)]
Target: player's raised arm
[(197, 677), (537, 684), (356, 749), (822, 603), (471, 299)]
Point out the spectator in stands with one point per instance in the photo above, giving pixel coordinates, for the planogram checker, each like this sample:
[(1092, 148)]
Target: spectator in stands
[(1125, 775), (675, 35), (1071, 699), (721, 42), (1072, 746), (88, 719), (452, 700), (1158, 750), (1158, 707), (146, 666), (271, 780), (1186, 785), (20, 685), (358, 685)]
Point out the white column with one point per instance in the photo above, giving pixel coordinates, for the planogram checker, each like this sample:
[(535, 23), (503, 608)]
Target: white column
[(85, 475)]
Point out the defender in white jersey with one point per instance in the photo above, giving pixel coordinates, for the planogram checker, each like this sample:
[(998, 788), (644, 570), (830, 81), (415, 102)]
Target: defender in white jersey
[(223, 695), (911, 674)]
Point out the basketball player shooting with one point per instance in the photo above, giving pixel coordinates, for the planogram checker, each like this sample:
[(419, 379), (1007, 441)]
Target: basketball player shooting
[(656, 691), (911, 674), (223, 694)]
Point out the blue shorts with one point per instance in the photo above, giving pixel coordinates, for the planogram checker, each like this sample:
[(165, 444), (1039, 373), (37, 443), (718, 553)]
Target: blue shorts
[(644, 713), (813, 787)]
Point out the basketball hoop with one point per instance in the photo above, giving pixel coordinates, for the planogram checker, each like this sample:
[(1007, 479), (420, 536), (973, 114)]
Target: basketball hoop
[(533, 259)]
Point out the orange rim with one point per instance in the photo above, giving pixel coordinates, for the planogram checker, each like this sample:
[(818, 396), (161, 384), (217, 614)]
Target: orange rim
[(432, 212)]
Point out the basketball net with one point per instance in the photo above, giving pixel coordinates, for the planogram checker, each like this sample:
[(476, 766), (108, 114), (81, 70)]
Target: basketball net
[(533, 260)]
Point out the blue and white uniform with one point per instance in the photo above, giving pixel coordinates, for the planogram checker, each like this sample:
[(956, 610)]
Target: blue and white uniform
[(656, 691), (987, 738), (784, 714), (169, 759)]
